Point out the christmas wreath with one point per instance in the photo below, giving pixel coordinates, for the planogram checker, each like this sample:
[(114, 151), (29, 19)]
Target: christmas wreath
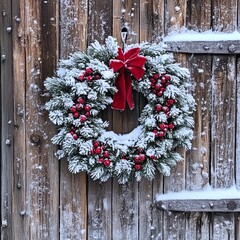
[(86, 83)]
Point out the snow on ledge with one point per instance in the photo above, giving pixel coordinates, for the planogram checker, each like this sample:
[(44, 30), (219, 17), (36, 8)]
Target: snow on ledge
[(208, 193), (190, 35)]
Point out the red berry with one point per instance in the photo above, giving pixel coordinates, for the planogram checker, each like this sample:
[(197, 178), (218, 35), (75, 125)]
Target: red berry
[(160, 93), (161, 126), (161, 134), (98, 150), (137, 167), (78, 106), (170, 101), (142, 157), (136, 159), (81, 78), (87, 108), (75, 136), (92, 152), (158, 108), (162, 89), (153, 157), (157, 86), (96, 144), (83, 118), (106, 154), (73, 109), (76, 115), (89, 78), (107, 162), (152, 80), (72, 133), (156, 76), (101, 160), (89, 70), (163, 80), (167, 77), (171, 126), (87, 114), (81, 100)]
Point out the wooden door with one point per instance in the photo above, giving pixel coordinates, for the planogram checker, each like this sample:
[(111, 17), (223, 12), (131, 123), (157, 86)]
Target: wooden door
[(40, 199)]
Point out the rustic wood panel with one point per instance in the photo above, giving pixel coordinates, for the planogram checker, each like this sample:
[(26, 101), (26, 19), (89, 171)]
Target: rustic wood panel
[(197, 160), (199, 15), (175, 15), (19, 171), (73, 188), (175, 223), (158, 20), (224, 15), (6, 118), (223, 141), (41, 200)]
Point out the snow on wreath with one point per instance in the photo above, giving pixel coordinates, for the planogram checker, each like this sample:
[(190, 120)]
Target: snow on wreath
[(87, 83)]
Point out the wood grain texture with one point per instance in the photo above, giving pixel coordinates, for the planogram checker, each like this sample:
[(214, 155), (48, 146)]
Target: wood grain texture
[(197, 160), (41, 200), (199, 15), (158, 20), (224, 15), (175, 15), (223, 137), (19, 171), (73, 188), (74, 25), (6, 121)]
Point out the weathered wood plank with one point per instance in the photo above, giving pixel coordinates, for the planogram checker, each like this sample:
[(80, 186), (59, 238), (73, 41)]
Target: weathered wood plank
[(223, 141), (199, 15), (197, 160), (74, 25), (224, 15), (175, 15), (100, 194), (158, 20), (175, 223), (41, 202), (125, 211), (6, 123), (19, 171), (73, 188), (99, 20)]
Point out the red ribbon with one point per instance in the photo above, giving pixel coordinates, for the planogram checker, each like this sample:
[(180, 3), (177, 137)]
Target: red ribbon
[(126, 64)]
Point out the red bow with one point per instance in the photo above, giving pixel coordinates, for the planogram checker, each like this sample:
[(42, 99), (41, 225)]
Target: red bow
[(126, 64)]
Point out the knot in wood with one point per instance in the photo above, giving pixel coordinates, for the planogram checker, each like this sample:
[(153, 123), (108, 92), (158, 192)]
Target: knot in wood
[(35, 139), (231, 205)]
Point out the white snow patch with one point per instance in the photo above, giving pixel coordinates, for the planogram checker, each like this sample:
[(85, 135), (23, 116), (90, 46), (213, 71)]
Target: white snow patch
[(190, 35), (123, 138), (208, 193)]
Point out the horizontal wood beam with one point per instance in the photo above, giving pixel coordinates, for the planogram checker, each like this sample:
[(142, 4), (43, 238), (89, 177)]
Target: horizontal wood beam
[(204, 47), (200, 205)]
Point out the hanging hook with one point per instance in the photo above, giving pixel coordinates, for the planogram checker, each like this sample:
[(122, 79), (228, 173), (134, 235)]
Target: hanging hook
[(124, 35)]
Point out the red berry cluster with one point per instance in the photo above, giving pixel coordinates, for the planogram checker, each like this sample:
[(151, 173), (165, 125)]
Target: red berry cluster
[(80, 110), (73, 132), (159, 83), (88, 75), (162, 128), (139, 159), (103, 155)]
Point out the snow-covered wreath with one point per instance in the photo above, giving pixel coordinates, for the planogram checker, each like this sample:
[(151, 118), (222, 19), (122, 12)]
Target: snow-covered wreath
[(87, 83)]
